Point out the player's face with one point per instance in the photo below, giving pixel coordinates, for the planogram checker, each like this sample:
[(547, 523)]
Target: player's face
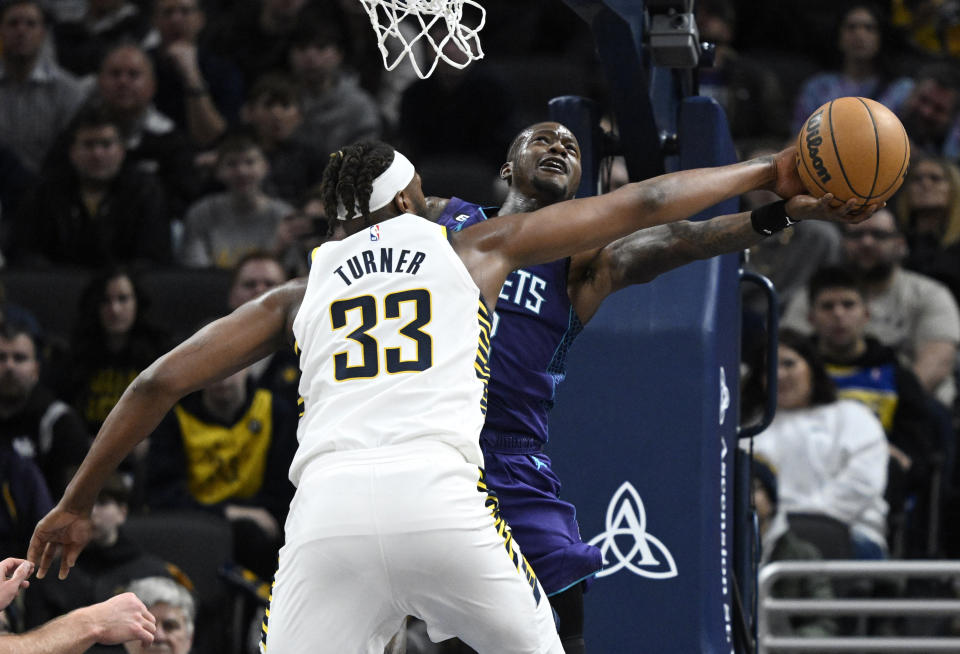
[(178, 20), (839, 317), (126, 80), (22, 32), (928, 186), (794, 379), (19, 369), (97, 153), (118, 306), (174, 633), (548, 163), (253, 280), (860, 35), (415, 194), (874, 246)]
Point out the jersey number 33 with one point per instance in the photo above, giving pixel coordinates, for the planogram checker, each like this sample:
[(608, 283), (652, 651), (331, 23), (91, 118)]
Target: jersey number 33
[(396, 307)]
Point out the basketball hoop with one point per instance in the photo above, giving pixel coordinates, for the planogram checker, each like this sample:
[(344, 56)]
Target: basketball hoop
[(400, 25)]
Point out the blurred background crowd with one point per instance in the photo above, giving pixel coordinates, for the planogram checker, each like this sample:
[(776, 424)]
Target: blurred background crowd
[(159, 162)]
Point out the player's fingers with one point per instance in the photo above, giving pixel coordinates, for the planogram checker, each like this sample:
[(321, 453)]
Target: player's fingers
[(34, 549), (851, 206), (50, 551), (861, 214), (69, 559)]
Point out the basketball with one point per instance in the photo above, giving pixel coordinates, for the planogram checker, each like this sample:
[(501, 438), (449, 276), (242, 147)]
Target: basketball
[(854, 148)]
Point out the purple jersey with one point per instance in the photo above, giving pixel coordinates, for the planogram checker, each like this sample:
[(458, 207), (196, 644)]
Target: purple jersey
[(533, 328)]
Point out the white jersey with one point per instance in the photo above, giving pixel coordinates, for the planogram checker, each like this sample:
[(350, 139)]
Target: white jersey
[(393, 341)]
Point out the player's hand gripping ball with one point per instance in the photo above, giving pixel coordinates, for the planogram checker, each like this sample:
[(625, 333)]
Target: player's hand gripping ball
[(854, 148)]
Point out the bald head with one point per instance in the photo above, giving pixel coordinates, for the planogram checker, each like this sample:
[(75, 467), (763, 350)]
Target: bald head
[(521, 138), (543, 164)]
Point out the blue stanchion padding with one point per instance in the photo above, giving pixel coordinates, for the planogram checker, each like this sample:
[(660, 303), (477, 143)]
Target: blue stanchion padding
[(643, 435)]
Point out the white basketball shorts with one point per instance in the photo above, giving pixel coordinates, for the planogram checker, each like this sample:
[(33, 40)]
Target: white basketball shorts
[(375, 535)]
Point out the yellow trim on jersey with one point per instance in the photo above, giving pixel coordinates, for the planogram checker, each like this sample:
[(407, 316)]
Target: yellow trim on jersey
[(266, 615), (484, 316), (482, 363), (313, 253), (503, 529)]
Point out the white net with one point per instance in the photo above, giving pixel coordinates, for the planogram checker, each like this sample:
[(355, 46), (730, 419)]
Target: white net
[(426, 32)]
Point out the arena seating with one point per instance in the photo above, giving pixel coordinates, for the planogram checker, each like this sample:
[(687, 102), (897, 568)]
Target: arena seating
[(180, 298)]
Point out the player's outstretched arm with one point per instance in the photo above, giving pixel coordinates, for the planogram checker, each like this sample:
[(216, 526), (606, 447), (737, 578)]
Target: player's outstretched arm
[(647, 253), (223, 347), (120, 619), (565, 228)]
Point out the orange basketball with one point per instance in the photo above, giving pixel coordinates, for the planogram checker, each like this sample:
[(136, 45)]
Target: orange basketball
[(853, 148)]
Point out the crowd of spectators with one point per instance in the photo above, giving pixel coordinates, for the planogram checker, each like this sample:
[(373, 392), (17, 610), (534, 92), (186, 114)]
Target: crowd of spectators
[(189, 134)]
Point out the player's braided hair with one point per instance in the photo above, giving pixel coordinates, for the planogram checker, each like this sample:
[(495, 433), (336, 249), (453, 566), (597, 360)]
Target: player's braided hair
[(348, 177)]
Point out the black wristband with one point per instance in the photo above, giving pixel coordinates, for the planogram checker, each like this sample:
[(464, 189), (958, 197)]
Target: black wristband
[(771, 218)]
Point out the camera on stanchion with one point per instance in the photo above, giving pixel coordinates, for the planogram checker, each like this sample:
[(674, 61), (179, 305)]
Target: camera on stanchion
[(672, 36)]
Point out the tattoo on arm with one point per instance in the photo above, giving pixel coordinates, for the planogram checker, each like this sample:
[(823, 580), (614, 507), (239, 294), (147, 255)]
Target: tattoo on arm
[(643, 255)]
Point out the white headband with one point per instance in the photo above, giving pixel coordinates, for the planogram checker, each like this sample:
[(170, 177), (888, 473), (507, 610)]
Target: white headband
[(385, 187)]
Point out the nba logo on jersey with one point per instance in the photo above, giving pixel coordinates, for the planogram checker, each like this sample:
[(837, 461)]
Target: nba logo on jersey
[(375, 233)]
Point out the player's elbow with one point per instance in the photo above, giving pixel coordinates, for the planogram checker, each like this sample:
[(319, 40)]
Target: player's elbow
[(650, 198), (158, 382)]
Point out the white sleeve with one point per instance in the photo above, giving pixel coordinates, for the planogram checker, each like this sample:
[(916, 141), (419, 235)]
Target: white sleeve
[(862, 480)]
